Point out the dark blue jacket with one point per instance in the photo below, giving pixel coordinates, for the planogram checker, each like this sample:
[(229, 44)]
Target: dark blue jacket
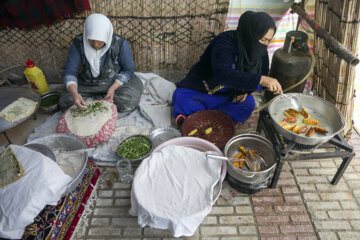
[(216, 71)]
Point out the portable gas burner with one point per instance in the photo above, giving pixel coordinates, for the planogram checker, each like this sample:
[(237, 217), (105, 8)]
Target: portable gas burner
[(290, 151)]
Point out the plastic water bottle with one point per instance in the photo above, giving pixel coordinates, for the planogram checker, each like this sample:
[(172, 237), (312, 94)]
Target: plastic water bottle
[(36, 78)]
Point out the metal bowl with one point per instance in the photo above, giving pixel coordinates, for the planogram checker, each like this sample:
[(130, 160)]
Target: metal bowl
[(65, 142), (52, 108), (137, 160), (251, 141), (163, 134)]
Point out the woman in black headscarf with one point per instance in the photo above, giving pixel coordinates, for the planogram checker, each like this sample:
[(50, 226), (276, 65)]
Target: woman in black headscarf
[(233, 65)]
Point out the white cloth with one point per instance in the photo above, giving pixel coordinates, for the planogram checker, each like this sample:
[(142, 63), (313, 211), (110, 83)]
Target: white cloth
[(97, 27), (157, 90), (174, 189), (156, 98), (22, 200), (159, 115)]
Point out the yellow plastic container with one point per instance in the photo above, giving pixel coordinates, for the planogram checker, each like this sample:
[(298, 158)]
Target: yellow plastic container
[(36, 78)]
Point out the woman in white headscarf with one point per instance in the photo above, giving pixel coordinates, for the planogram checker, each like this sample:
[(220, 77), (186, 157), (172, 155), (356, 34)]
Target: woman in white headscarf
[(100, 65)]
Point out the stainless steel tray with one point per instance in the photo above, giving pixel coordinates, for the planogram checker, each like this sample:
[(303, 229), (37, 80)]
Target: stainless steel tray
[(41, 148), (68, 143), (160, 135), (11, 94)]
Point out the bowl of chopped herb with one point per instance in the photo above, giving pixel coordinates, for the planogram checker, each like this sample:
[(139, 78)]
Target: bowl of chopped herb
[(135, 148), (49, 102)]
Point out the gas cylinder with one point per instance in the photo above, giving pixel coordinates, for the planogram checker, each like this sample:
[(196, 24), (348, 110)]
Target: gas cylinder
[(36, 78), (292, 62)]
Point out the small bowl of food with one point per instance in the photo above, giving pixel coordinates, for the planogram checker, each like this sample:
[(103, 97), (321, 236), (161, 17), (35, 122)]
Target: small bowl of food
[(135, 148), (50, 102)]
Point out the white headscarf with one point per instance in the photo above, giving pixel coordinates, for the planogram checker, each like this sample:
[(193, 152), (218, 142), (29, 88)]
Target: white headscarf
[(97, 27)]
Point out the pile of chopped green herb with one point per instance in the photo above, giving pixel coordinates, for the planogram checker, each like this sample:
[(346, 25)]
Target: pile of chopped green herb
[(134, 148), (50, 101), (94, 107)]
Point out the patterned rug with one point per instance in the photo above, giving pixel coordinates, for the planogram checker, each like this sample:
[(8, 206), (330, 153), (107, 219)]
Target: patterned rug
[(59, 222)]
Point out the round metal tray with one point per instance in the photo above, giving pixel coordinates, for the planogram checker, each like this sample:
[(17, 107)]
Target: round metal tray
[(160, 135), (41, 148), (11, 94)]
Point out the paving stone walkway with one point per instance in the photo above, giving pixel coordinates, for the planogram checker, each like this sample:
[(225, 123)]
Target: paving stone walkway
[(303, 206)]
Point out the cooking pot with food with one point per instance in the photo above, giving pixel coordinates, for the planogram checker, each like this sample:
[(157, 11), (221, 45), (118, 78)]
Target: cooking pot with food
[(328, 117), (263, 148)]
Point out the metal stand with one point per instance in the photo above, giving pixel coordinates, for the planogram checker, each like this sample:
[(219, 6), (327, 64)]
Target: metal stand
[(7, 138), (285, 150)]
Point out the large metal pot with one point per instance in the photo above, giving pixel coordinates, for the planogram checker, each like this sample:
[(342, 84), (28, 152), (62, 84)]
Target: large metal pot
[(328, 115), (251, 141), (65, 142)]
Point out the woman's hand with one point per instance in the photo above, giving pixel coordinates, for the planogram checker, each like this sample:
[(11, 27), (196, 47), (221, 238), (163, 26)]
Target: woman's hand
[(271, 84), (79, 101), (110, 94), (240, 98), (111, 91)]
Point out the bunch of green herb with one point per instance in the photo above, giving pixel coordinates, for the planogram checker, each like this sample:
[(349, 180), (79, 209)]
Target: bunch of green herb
[(94, 107), (134, 147)]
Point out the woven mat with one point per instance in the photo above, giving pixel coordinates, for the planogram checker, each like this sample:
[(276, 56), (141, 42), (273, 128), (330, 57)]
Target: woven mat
[(222, 127), (60, 221)]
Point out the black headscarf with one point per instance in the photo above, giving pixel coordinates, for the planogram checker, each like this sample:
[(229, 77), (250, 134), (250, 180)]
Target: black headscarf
[(251, 28)]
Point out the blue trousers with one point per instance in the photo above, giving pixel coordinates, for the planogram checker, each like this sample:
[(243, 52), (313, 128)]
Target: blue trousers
[(187, 101)]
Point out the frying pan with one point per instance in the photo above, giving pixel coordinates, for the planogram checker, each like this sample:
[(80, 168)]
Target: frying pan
[(327, 114)]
